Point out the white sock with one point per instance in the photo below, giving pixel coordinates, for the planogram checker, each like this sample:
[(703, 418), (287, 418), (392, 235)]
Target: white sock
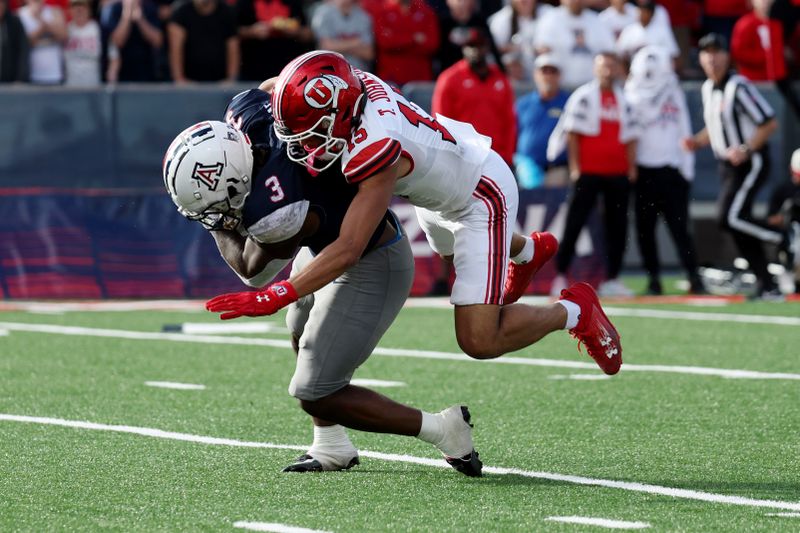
[(526, 254), (432, 430), (332, 447), (330, 437), (573, 313)]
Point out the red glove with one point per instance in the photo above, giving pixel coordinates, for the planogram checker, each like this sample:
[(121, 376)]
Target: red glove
[(267, 302)]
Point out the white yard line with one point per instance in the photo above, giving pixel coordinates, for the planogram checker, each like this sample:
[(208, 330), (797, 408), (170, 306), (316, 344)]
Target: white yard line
[(600, 522), (376, 383), (392, 352), (580, 377), (429, 303), (173, 385), (105, 306), (709, 317), (211, 328), (276, 528), (439, 463), (784, 515)]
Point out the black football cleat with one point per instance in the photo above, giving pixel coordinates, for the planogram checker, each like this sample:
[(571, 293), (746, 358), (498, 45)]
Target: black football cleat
[(457, 446), (469, 465), (306, 463)]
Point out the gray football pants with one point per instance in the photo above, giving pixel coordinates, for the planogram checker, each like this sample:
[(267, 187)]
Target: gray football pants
[(340, 324)]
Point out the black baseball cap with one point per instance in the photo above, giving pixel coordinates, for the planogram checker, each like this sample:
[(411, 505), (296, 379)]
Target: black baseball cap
[(713, 41)]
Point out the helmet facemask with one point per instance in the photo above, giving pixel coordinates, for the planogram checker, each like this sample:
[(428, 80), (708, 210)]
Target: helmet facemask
[(319, 157), (226, 213)]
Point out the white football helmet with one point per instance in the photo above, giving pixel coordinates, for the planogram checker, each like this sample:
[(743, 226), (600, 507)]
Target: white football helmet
[(207, 171)]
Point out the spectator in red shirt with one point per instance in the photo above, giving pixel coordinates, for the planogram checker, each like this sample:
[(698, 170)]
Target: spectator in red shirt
[(757, 49), (601, 153), (757, 45), (406, 38), (474, 91)]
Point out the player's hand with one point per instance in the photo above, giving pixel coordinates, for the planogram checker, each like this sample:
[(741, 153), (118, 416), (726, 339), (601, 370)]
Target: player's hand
[(689, 144), (266, 302)]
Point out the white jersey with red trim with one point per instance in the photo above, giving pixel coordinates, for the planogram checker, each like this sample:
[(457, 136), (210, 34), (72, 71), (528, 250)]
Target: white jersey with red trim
[(446, 155)]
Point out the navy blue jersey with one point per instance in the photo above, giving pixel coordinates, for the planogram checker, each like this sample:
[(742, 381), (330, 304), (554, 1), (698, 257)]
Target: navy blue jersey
[(283, 192)]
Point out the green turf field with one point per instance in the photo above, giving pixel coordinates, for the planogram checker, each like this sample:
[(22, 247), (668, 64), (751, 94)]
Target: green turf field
[(663, 446)]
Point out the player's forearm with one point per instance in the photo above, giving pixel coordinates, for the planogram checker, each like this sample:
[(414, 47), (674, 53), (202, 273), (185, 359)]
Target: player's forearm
[(246, 257), (328, 265), (267, 85), (231, 247)]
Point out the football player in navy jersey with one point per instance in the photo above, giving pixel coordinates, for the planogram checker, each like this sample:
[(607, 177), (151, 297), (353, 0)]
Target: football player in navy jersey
[(261, 208)]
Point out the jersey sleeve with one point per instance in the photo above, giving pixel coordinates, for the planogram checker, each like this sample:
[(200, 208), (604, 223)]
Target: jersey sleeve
[(371, 159), (753, 103)]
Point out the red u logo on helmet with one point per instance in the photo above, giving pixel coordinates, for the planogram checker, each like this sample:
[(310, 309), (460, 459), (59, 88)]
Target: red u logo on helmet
[(320, 92)]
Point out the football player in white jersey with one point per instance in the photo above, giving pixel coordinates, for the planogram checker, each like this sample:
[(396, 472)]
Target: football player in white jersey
[(466, 199)]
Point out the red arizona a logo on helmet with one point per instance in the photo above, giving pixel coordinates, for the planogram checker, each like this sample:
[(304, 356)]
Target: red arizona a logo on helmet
[(207, 175)]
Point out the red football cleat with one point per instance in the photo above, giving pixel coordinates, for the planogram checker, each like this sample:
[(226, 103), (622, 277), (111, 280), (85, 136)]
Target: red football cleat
[(594, 329), (545, 246)]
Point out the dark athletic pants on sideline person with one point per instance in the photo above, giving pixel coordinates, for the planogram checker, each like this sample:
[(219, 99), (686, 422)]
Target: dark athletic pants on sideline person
[(615, 191), (738, 190), (663, 190)]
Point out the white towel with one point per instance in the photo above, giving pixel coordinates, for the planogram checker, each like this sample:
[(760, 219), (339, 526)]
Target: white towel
[(582, 115)]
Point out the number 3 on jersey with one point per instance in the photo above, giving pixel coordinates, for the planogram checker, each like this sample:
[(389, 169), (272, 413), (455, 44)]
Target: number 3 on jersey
[(274, 185), (416, 117)]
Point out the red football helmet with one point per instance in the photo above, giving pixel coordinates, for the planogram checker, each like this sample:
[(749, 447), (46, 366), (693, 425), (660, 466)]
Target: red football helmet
[(315, 102)]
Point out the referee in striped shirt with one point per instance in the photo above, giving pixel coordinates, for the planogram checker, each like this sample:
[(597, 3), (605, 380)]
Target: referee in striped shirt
[(738, 123)]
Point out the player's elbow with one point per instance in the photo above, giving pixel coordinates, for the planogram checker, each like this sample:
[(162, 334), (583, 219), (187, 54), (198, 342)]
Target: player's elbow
[(253, 281), (349, 258), (249, 278), (348, 252)]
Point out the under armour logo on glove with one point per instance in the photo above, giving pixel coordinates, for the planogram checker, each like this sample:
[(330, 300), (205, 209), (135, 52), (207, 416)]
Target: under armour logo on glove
[(267, 302)]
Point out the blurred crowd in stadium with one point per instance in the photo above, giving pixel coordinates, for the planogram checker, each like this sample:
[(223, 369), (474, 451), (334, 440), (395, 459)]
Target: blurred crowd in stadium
[(88, 42)]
